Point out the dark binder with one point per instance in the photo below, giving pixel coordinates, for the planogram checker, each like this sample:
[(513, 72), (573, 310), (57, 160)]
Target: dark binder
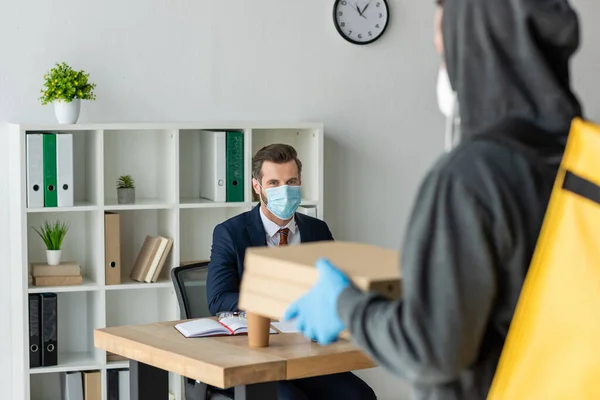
[(35, 353), (234, 166), (49, 329), (112, 377)]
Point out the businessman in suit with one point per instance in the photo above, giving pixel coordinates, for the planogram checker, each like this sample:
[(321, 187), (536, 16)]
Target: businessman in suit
[(276, 179)]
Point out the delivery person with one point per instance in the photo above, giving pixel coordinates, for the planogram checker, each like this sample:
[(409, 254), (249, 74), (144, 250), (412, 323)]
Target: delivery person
[(479, 210)]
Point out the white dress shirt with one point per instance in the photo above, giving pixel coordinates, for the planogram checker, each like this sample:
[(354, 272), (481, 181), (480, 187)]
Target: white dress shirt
[(271, 230)]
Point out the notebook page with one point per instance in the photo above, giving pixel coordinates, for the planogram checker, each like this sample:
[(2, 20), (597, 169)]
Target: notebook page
[(236, 324), (201, 327)]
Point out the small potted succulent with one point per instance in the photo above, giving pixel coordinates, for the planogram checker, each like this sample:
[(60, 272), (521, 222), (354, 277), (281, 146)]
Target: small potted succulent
[(126, 190), (53, 234), (65, 88)]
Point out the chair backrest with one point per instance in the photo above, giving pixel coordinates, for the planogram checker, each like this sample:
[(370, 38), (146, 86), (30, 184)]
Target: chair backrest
[(190, 286)]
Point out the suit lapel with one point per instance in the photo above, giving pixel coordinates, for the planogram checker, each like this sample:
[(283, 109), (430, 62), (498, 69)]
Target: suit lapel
[(256, 230), (305, 232)]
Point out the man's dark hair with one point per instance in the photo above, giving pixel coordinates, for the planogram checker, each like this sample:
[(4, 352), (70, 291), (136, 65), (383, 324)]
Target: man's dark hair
[(439, 2), (277, 153)]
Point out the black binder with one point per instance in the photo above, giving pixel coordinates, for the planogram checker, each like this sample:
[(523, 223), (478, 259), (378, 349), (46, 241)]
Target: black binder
[(35, 354), (112, 377), (49, 329)]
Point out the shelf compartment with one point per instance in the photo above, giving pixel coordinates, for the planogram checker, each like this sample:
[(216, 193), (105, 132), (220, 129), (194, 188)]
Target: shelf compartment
[(148, 156), (87, 172), (82, 244), (195, 244), (79, 314), (134, 226), (307, 143), (194, 153), (132, 307), (78, 361)]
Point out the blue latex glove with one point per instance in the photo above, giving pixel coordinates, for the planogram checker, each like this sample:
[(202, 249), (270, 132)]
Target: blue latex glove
[(316, 312)]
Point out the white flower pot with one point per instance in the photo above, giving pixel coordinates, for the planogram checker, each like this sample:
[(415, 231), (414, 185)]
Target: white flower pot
[(67, 113), (53, 257)]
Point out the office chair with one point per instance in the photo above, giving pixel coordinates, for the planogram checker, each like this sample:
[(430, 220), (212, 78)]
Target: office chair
[(190, 287)]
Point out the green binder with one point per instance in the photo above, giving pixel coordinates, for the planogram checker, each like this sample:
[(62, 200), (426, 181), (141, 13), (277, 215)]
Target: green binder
[(50, 192), (235, 166)]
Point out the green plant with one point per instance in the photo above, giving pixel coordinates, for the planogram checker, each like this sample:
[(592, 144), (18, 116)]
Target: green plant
[(53, 234), (64, 83), (125, 182)]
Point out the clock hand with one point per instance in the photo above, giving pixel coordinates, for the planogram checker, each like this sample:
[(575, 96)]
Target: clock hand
[(365, 9), (358, 9), (359, 12)]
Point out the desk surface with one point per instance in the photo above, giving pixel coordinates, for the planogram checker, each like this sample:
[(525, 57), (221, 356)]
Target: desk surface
[(228, 361)]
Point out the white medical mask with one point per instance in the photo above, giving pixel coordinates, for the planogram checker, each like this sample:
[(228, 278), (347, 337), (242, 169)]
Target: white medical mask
[(283, 201), (448, 105)]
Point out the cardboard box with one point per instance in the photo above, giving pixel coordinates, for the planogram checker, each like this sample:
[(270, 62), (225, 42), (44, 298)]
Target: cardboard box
[(275, 277)]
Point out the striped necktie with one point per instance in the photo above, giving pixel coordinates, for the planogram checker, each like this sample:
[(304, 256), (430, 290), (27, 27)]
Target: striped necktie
[(283, 236)]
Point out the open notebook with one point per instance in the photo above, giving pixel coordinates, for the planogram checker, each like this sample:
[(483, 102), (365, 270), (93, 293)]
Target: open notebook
[(203, 327)]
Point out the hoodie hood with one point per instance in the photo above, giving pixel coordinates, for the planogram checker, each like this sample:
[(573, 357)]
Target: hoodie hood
[(509, 60)]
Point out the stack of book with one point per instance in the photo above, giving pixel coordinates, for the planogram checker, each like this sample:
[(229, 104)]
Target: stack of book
[(65, 274), (151, 259)]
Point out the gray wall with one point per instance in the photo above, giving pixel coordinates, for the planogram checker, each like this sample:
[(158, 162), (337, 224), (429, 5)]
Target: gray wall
[(265, 59)]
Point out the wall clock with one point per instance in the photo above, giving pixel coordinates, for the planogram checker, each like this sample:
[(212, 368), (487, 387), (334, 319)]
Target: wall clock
[(361, 21)]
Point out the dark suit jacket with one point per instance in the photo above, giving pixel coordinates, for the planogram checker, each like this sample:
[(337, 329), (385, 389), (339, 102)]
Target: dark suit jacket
[(230, 241)]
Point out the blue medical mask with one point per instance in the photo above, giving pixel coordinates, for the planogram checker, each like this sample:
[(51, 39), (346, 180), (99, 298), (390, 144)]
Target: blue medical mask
[(283, 201)]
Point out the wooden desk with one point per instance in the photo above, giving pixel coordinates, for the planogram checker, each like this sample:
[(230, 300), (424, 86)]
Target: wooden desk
[(223, 362)]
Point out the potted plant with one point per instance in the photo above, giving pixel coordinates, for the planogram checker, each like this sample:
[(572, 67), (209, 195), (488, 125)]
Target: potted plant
[(53, 234), (126, 190), (65, 88)]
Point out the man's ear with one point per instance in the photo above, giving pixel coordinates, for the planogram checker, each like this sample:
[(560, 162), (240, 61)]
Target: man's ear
[(255, 186)]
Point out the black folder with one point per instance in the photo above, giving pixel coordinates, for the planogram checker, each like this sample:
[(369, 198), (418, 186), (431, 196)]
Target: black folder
[(35, 337), (49, 329)]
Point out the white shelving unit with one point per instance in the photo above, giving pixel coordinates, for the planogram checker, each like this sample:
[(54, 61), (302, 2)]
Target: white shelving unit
[(164, 159)]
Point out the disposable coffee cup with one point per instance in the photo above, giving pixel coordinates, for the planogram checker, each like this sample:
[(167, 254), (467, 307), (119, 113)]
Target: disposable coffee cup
[(258, 330)]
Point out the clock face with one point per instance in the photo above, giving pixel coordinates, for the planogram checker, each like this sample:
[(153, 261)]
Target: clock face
[(360, 21)]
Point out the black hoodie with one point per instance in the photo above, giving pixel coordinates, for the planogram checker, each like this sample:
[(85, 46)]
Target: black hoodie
[(478, 212)]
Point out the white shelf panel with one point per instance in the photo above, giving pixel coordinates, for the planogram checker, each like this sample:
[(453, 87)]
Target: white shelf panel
[(140, 204), (70, 362), (87, 286), (117, 364), (203, 203), (78, 206), (134, 285), (136, 126)]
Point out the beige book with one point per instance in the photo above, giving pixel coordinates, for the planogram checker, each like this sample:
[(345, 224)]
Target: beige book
[(92, 385), (161, 263), (156, 259), (57, 280), (144, 258), (67, 268), (274, 277)]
